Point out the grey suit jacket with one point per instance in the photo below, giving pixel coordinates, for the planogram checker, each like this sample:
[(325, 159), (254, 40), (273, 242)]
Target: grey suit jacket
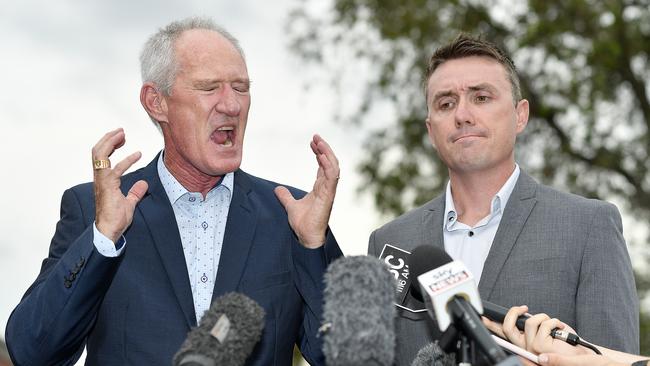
[(558, 253)]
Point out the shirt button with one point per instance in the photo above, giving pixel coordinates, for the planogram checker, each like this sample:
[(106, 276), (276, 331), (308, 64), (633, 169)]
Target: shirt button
[(192, 199), (204, 225), (471, 233)]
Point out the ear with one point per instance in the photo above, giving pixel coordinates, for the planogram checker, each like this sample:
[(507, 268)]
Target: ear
[(153, 102), (430, 132), (522, 110)]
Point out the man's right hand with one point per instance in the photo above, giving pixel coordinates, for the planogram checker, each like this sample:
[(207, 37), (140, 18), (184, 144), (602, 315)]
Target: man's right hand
[(113, 210)]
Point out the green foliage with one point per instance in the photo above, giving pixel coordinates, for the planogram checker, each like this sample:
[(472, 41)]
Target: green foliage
[(584, 67)]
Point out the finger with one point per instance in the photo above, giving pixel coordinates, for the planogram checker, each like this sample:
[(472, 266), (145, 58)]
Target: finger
[(320, 172), (547, 326), (329, 172), (323, 147), (108, 143), (126, 163), (509, 325), (284, 196), (494, 327), (107, 135), (532, 329), (326, 158), (555, 359), (137, 191), (547, 359)]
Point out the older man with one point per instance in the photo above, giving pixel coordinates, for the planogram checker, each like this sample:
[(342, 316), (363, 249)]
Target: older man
[(525, 242), (137, 259)]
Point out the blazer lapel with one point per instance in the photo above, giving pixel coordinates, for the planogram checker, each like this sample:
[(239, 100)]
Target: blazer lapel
[(432, 223), (519, 206), (158, 214), (238, 237)]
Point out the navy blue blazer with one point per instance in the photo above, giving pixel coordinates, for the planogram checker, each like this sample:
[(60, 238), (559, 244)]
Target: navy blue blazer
[(137, 309)]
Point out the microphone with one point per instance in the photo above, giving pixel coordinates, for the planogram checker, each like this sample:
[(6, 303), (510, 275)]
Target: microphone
[(450, 295), (433, 355), (226, 334), (498, 313), (358, 314)]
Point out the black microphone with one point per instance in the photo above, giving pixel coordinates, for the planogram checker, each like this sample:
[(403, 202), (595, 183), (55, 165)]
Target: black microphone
[(498, 313), (451, 296), (433, 355), (226, 335), (358, 314)]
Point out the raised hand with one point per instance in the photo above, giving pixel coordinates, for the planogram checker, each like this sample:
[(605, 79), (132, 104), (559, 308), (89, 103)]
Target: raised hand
[(113, 210), (310, 215)]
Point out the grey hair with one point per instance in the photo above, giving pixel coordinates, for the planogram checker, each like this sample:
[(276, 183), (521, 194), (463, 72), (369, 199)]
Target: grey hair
[(157, 61)]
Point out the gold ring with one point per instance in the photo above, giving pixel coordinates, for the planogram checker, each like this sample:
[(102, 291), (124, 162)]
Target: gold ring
[(99, 164)]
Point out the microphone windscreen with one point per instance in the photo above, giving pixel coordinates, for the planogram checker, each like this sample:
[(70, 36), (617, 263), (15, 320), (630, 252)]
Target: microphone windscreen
[(433, 355), (359, 315), (423, 259), (226, 335)]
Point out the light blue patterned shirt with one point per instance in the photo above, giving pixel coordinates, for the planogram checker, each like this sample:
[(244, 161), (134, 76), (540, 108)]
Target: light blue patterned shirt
[(201, 224)]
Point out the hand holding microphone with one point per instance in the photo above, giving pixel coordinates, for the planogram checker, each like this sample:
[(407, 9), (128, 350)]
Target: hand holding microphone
[(540, 334)]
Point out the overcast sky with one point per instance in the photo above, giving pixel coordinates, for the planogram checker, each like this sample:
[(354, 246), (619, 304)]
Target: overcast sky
[(69, 73)]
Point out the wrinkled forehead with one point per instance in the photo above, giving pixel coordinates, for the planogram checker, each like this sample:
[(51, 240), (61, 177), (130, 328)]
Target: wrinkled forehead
[(459, 75), (201, 47)]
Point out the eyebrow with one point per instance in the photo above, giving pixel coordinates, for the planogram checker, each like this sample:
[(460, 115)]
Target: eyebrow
[(483, 86), (478, 87), (442, 94), (211, 82)]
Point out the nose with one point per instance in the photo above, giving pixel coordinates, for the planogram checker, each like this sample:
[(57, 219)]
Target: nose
[(463, 115), (228, 103)]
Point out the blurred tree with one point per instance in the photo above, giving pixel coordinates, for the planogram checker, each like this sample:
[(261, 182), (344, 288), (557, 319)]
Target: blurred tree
[(584, 67)]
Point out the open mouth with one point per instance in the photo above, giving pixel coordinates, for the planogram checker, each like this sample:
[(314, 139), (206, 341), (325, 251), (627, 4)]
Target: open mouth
[(224, 136)]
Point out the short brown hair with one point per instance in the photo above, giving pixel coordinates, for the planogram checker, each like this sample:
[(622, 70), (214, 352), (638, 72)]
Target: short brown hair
[(466, 46)]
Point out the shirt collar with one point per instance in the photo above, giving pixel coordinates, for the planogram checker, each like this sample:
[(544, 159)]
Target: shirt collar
[(176, 190), (499, 200)]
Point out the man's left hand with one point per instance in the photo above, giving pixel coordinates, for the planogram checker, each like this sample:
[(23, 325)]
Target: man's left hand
[(310, 215)]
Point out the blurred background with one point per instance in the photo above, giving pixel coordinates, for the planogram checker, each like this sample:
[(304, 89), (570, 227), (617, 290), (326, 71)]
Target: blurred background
[(347, 69)]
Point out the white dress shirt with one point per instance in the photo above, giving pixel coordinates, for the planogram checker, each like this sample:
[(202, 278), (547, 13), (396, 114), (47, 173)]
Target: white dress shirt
[(471, 244)]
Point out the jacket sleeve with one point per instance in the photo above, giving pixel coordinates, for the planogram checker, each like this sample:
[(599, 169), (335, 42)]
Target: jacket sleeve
[(607, 306), (51, 323), (310, 266)]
